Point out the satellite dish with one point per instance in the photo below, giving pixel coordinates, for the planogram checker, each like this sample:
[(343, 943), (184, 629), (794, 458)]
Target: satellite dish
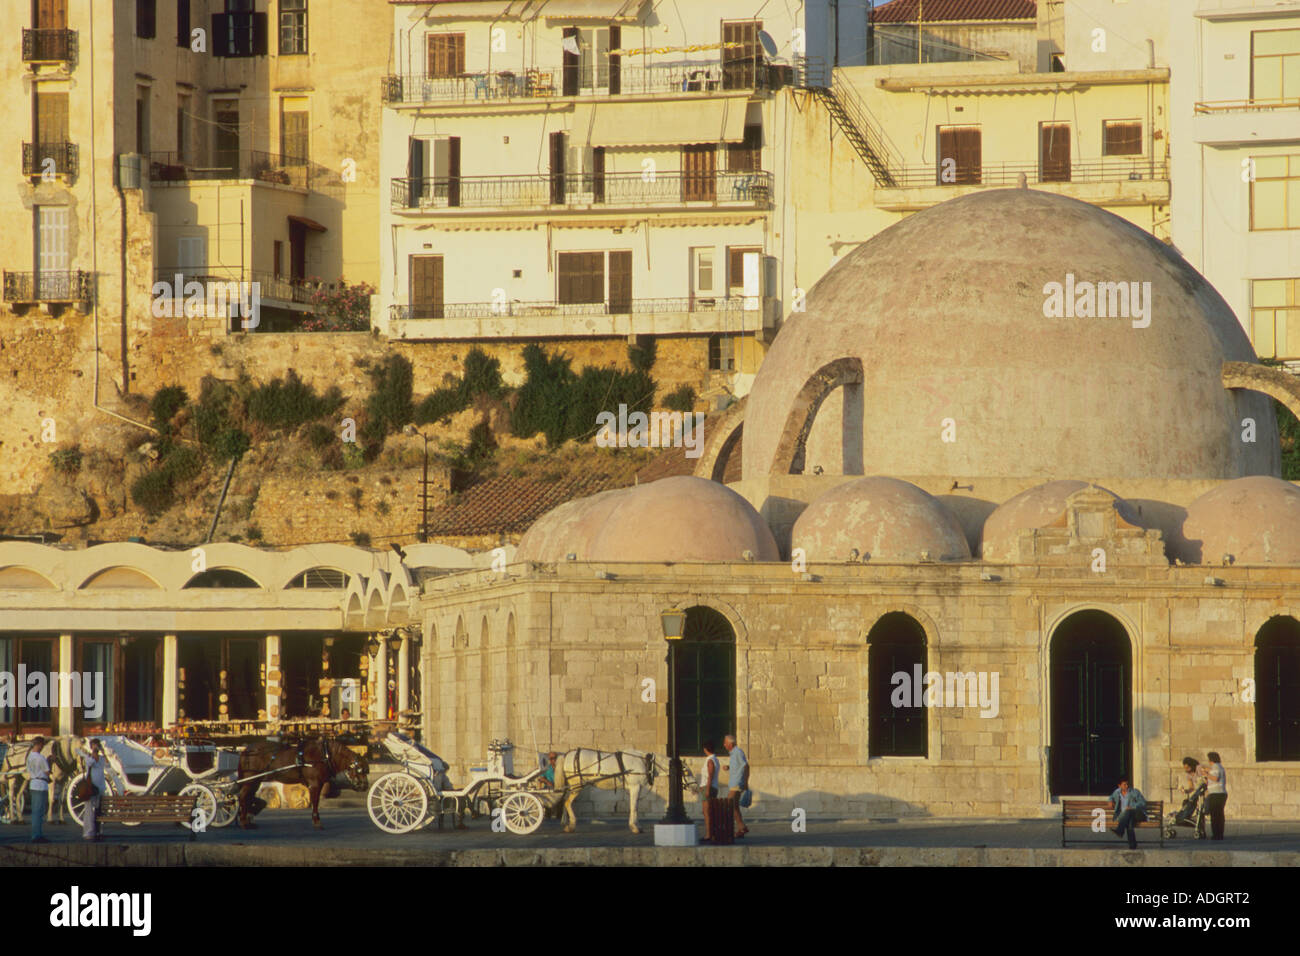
[(768, 44)]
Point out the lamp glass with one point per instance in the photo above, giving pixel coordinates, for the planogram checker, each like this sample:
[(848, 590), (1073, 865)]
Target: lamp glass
[(674, 623), (372, 646)]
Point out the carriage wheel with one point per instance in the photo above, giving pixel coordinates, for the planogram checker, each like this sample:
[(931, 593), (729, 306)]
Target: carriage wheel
[(227, 806), (75, 806), (397, 803), (523, 812), (206, 805)]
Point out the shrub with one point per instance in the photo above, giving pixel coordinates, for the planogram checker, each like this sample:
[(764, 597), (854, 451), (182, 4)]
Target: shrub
[(345, 309), (439, 405), (1288, 430), (320, 435), (382, 508), (183, 463), (390, 405), (230, 443), (290, 402), (164, 405), (682, 400), (254, 533), (153, 491), (214, 411), (482, 376), (66, 461), (360, 538), (354, 455), (543, 396), (642, 357)]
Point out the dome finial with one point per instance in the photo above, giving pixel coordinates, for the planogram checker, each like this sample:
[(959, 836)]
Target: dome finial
[(1022, 181)]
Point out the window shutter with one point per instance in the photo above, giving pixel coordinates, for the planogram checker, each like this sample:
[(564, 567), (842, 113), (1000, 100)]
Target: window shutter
[(620, 281), (598, 174), (557, 168), (260, 34), (570, 68), (453, 171), (615, 61)]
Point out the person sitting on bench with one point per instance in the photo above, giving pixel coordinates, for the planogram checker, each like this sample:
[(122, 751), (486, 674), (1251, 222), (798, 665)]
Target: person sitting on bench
[(1130, 809)]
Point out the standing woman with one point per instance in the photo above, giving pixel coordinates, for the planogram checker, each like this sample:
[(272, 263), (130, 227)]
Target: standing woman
[(709, 787), (1216, 794), (90, 810)]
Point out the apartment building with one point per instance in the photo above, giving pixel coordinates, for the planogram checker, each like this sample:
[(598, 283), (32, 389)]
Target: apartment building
[(221, 140), (598, 169), (1236, 159)]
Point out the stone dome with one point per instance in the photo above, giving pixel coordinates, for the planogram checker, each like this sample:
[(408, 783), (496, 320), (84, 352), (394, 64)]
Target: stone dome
[(567, 529), (942, 315), (678, 519), (1255, 520), (1036, 507), (884, 519)]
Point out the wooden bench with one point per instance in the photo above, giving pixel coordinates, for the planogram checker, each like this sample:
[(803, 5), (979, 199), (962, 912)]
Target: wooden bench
[(149, 808), (1077, 814)]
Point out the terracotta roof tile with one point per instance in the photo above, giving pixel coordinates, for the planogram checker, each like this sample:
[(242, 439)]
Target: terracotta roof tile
[(904, 11)]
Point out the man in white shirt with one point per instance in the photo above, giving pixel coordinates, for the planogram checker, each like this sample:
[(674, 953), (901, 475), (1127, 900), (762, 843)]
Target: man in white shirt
[(38, 771), (737, 780), (95, 764)]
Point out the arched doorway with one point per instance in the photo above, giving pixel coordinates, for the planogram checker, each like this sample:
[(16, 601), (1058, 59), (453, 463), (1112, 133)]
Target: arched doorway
[(895, 645), (1092, 704), (1277, 690), (706, 681)]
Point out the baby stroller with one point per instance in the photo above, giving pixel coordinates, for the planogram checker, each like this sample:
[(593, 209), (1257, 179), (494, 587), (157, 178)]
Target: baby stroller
[(1190, 814)]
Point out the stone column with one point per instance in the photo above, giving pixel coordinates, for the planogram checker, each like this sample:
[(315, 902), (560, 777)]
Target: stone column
[(171, 663), (67, 664), (273, 676), (404, 675)]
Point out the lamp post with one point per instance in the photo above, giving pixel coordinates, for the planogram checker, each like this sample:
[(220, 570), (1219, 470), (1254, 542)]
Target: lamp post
[(674, 623), (423, 536)]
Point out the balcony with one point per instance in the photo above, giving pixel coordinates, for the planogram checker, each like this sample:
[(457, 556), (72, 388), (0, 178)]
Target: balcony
[(1113, 181), (751, 190), (64, 156), (1247, 106), (1245, 122), (457, 320), (671, 79), (173, 167), (50, 46), (29, 288)]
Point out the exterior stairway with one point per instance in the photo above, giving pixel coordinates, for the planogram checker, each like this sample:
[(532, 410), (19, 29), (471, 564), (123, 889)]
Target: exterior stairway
[(854, 120)]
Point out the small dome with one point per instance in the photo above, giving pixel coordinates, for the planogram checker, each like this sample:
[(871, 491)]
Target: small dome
[(1254, 520), (679, 519), (567, 529), (1038, 507), (884, 519)]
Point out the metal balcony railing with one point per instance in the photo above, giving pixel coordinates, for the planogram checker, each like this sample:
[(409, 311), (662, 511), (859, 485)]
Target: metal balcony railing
[(611, 189), (240, 164), (65, 157), (516, 309), (49, 46), (682, 76), (1008, 174), (1247, 106), (22, 287), (285, 289)]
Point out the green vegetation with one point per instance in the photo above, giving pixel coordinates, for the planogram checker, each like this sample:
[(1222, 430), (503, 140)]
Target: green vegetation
[(153, 492), (1288, 430), (562, 404), (66, 461), (289, 402), (389, 406), (681, 400)]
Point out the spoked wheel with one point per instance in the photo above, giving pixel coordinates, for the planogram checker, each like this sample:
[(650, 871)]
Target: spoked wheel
[(434, 804), (74, 805), (206, 806), (227, 806), (397, 803), (523, 812)]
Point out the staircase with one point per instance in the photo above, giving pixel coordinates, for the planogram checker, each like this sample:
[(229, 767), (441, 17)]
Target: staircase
[(853, 118)]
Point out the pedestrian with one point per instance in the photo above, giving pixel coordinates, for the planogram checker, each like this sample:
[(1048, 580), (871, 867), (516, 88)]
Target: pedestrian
[(709, 786), (95, 762), (737, 780), (38, 770), (1216, 793), (1130, 808)]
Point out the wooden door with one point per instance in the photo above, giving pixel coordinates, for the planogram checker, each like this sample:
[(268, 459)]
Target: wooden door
[(426, 287), (417, 172), (699, 173), (960, 155), (598, 174), (740, 63), (620, 281), (226, 140), (1054, 152), (1091, 705), (52, 15), (51, 118)]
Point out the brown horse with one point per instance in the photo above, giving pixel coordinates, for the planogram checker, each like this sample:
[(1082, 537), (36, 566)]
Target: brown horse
[(313, 762)]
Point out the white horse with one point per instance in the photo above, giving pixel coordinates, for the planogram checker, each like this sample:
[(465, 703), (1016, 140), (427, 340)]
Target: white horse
[(61, 752), (606, 771)]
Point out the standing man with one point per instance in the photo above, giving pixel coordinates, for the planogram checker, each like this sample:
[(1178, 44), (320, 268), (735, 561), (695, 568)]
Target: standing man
[(1130, 808), (737, 780), (38, 769), (95, 762), (1216, 794)]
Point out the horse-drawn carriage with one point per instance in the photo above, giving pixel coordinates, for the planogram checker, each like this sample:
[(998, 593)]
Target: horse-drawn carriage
[(190, 768)]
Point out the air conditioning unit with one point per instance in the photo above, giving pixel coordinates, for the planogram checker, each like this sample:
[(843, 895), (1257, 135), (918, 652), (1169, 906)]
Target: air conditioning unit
[(130, 168)]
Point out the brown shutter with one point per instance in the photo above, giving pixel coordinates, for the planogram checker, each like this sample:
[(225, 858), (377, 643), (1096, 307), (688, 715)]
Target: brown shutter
[(558, 149), (740, 64), (699, 168), (1054, 153), (620, 281), (570, 68), (745, 157), (598, 174), (52, 15), (51, 117), (453, 171), (615, 62), (1122, 139), (962, 145), (426, 287), (581, 277)]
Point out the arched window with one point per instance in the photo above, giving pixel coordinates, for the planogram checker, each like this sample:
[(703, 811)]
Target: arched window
[(1277, 690), (706, 681), (221, 578), (896, 645)]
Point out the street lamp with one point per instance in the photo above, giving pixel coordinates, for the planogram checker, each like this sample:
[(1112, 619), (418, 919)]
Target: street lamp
[(372, 647), (423, 536), (673, 621), (394, 641)]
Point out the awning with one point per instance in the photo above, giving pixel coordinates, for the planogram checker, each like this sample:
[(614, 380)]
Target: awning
[(617, 11), (711, 120), (311, 224)]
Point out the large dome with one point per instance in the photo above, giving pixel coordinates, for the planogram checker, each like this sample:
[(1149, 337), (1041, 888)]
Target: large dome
[(941, 316)]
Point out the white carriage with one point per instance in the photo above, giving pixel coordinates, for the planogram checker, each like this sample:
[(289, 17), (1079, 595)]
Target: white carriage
[(411, 798), (198, 769)]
